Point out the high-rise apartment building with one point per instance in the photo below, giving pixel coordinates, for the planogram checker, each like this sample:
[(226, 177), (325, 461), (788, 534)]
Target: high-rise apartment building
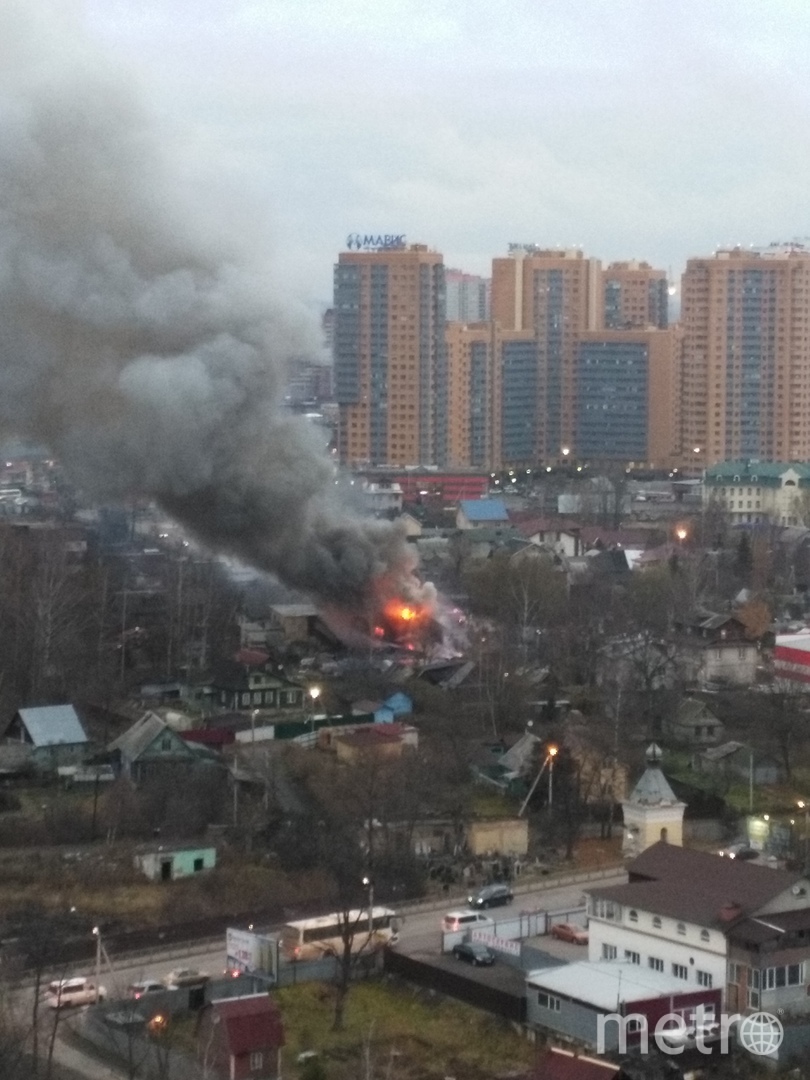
[(467, 297), (390, 366), (746, 356), (626, 384), (473, 393), (635, 296), (546, 299)]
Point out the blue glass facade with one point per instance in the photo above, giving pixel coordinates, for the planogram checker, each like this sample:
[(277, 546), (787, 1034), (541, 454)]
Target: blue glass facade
[(750, 361), (612, 400), (519, 402), (549, 286), (346, 339)]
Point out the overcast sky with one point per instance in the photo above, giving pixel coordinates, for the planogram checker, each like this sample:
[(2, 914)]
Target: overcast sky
[(632, 128)]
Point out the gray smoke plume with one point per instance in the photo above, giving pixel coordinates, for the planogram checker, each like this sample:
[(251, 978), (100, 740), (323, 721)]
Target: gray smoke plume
[(137, 350)]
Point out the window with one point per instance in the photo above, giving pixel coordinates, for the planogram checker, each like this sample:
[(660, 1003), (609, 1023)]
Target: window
[(681, 928), (632, 957), (632, 915), (606, 909), (680, 971), (774, 978), (737, 973), (633, 1025), (704, 979), (546, 1001), (256, 1060), (199, 865), (657, 922), (608, 952), (704, 935), (655, 963)]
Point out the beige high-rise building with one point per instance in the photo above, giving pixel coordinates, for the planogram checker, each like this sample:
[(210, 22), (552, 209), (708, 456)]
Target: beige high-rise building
[(390, 364), (745, 391), (626, 396), (635, 296), (473, 395), (551, 296)]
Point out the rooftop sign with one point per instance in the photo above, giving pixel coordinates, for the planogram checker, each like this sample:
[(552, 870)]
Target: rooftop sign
[(374, 242)]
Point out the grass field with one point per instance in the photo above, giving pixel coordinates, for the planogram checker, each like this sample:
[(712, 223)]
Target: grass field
[(397, 1032)]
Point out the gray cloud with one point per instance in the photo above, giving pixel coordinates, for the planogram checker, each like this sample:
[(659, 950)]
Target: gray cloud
[(632, 128)]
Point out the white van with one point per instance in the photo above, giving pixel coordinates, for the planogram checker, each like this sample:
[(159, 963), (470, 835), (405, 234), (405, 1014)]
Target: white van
[(65, 993), (465, 920)]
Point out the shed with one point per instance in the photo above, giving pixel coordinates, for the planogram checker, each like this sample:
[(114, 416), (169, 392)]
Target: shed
[(571, 999), (735, 760), (170, 864), (508, 836), (241, 1038), (54, 732)]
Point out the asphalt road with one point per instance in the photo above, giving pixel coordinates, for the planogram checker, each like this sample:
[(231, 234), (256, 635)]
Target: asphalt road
[(420, 935)]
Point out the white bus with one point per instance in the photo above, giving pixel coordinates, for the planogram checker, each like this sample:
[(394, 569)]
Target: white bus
[(310, 939)]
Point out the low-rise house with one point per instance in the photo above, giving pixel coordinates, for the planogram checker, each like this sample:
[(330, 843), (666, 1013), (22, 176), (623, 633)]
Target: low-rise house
[(386, 741), (254, 686), (574, 999), (481, 513), (169, 864), (295, 622), (554, 534), (241, 1039), (757, 491), (719, 649), (150, 746), (54, 734), (694, 724), (736, 761), (712, 923)]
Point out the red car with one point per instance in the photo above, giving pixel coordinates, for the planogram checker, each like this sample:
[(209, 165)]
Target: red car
[(569, 932)]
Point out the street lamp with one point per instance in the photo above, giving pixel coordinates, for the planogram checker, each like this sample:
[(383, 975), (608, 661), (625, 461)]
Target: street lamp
[(369, 884), (314, 693), (552, 753), (97, 936)]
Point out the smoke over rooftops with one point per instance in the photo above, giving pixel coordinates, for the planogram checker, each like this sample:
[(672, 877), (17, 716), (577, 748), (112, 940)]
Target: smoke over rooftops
[(132, 346)]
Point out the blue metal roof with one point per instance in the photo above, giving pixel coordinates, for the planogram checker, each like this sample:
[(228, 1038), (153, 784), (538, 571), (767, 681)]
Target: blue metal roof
[(53, 725), (484, 510)]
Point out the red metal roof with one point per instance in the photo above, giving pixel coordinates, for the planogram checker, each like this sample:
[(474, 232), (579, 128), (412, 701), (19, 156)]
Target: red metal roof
[(250, 1024), (566, 1065)]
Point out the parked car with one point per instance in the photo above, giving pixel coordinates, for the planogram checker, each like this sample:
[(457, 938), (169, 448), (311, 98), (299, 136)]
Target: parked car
[(474, 953), (66, 993), (185, 977), (491, 896), (465, 920), (145, 986), (741, 851), (565, 931)]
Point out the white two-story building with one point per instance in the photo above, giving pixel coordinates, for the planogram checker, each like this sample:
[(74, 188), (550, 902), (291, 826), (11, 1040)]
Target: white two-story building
[(710, 922)]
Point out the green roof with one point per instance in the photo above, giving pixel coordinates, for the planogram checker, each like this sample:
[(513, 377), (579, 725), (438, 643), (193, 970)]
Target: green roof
[(764, 473)]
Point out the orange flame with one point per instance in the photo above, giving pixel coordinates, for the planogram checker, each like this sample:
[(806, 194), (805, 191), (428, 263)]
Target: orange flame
[(398, 612)]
